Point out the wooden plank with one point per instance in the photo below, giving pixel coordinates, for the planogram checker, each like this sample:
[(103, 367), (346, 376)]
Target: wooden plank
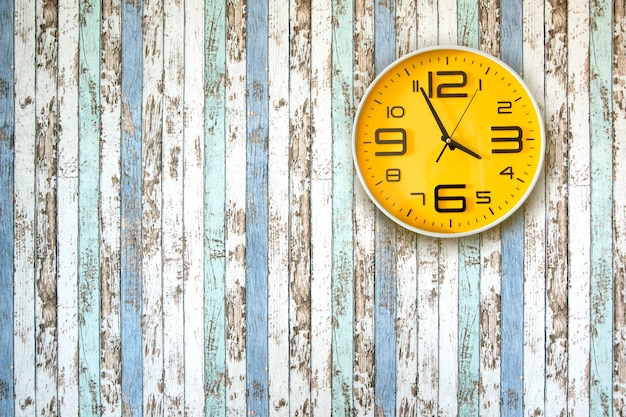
[(151, 208), (300, 208), (46, 101), (556, 207), (193, 209), (67, 191), (406, 262), (469, 266), (342, 210), (24, 214), (110, 225), (235, 208), (619, 207), (256, 207), (7, 231), (363, 228), (322, 205), (385, 243), (130, 208), (579, 245), (512, 301), (278, 210), (214, 200), (535, 230), (601, 280), (172, 208), (448, 284)]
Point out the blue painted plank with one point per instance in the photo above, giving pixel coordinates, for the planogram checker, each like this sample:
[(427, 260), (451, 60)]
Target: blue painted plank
[(601, 285), (257, 208), (214, 202), (342, 210), (7, 141), (385, 271), (130, 207), (512, 348), (88, 220)]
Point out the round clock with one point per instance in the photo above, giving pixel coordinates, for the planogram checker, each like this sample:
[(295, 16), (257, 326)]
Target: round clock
[(448, 141)]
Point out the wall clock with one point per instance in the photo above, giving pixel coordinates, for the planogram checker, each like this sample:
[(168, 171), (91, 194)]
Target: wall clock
[(448, 141)]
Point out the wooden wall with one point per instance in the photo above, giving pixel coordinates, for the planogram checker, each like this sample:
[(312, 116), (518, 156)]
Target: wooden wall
[(181, 229)]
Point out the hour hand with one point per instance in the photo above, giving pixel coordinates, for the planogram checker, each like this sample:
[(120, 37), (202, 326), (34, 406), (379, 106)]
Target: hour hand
[(454, 144)]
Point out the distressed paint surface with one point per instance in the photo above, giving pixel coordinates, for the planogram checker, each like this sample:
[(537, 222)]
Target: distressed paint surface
[(181, 231)]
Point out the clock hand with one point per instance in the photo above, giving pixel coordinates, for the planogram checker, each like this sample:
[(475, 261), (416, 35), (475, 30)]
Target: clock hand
[(447, 138)]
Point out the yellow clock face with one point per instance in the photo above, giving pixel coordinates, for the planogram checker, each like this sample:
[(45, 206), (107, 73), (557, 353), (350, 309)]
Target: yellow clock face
[(448, 141)]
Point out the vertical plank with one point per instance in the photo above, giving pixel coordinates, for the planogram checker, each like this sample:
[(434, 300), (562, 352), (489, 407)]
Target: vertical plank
[(556, 118), (579, 245), (428, 267), (256, 207), (193, 209), (151, 207), (364, 219), (601, 279), (385, 255), (172, 209), (24, 214), (214, 200), (67, 218), (46, 102), (406, 262), (342, 210), (300, 208), (534, 228), (321, 204), (130, 209), (110, 224), (619, 207), (512, 302), (469, 266), (235, 208), (7, 232), (448, 280), (278, 209)]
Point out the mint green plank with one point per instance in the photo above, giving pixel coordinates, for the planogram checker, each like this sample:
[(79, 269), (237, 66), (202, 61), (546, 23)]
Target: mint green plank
[(342, 243), (88, 220), (214, 200), (469, 264), (601, 372)]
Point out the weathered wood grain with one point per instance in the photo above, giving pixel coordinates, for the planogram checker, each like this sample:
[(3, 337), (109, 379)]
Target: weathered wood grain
[(235, 208), (578, 202), (278, 211), (619, 207), (556, 119), (110, 221), (172, 216)]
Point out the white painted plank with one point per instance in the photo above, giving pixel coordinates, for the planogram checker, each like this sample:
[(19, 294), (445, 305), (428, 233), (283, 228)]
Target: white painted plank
[(151, 206), (321, 206), (278, 195), (619, 207), (173, 180), (406, 265), (67, 189), (579, 186), (364, 219), (110, 177), (46, 343), (24, 191), (535, 239), (235, 244), (193, 209), (556, 208)]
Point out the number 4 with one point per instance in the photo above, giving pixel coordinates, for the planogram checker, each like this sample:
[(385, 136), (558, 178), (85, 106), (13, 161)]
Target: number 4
[(507, 171)]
